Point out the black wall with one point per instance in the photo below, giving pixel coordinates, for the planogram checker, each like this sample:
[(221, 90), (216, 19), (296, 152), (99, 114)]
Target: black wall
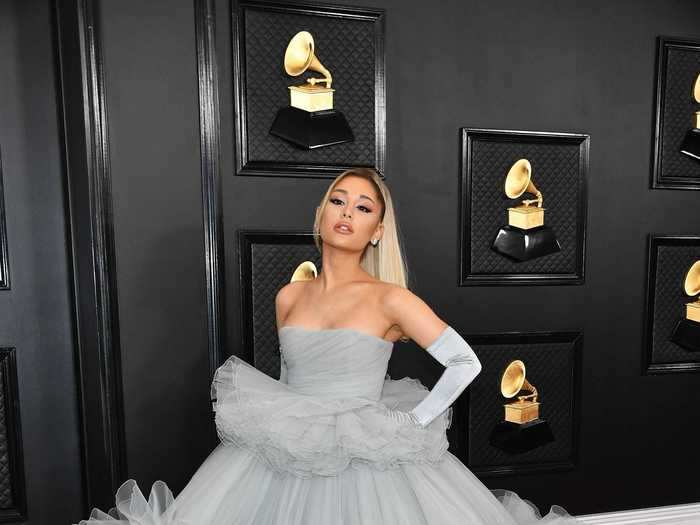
[(151, 100), (35, 312), (541, 65), (569, 66)]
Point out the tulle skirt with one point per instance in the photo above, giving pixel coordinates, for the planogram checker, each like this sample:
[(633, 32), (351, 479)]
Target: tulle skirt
[(286, 458), (234, 487)]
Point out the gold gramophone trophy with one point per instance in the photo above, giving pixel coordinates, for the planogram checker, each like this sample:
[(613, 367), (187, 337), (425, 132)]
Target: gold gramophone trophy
[(691, 143), (687, 330), (309, 121), (525, 237), (306, 271), (522, 428)]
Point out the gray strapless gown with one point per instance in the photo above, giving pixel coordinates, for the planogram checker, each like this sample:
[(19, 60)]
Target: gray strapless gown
[(322, 449)]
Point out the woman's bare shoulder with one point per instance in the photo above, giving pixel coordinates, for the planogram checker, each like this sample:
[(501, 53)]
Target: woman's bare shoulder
[(287, 296), (289, 290), (394, 293)]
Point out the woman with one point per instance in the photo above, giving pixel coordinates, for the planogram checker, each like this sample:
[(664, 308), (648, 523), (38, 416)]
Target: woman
[(336, 441)]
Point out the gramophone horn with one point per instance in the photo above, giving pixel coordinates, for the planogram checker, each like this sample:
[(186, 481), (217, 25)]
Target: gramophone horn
[(513, 378), (306, 271), (518, 181), (696, 89), (692, 280), (300, 57), (513, 381)]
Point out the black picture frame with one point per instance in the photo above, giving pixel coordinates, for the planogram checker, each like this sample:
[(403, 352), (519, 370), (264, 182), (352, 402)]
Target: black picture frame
[(670, 168), (4, 254), (285, 164), (505, 145), (556, 353), (665, 302)]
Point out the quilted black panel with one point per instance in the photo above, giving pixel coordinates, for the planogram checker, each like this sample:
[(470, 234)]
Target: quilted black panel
[(12, 489), (679, 67), (6, 500), (550, 367), (345, 45), (558, 171), (672, 262), (273, 262)]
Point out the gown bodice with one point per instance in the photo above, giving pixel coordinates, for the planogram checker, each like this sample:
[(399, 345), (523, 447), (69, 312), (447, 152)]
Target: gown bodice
[(335, 362), (335, 407)]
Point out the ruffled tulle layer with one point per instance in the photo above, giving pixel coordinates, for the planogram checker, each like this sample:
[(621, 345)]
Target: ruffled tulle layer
[(288, 458), (133, 509), (309, 435), (233, 487)]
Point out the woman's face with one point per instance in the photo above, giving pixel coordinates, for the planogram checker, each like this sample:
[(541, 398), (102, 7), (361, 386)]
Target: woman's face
[(355, 202)]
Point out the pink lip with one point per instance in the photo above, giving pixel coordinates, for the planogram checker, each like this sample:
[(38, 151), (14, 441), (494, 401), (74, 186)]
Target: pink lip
[(338, 224)]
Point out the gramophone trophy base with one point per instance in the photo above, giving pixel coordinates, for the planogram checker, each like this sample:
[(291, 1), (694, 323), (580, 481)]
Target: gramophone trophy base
[(516, 438), (523, 245), (692, 311), (687, 334), (526, 217), (691, 144), (311, 97), (521, 411), (311, 129)]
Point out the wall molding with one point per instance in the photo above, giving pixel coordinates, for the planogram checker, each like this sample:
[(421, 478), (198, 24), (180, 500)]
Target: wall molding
[(209, 126), (92, 258)]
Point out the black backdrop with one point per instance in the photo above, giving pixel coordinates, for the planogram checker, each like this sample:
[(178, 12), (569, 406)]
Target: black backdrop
[(44, 484), (546, 65)]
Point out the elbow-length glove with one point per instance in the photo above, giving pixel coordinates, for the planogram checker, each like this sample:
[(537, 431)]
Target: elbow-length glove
[(461, 367)]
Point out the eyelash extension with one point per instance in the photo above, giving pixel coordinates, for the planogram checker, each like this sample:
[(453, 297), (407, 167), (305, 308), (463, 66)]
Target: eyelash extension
[(337, 199)]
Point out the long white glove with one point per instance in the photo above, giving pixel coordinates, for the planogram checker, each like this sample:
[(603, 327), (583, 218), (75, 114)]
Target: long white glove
[(461, 367)]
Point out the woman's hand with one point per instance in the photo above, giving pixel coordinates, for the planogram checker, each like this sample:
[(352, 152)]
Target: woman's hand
[(403, 417)]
